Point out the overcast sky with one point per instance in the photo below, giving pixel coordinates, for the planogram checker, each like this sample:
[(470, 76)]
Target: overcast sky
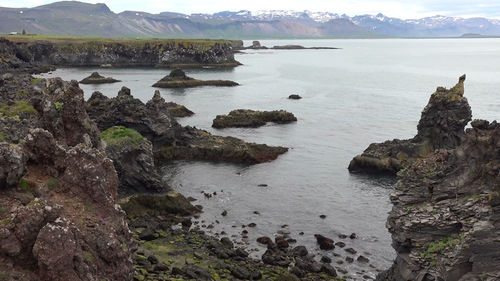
[(394, 8)]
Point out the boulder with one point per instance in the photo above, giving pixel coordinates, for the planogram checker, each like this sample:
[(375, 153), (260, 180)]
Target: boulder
[(160, 204), (178, 79), (294, 97), (96, 78), (325, 243), (441, 126), (252, 118)]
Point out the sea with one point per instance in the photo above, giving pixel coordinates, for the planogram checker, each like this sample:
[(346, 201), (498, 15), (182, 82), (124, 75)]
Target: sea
[(366, 91)]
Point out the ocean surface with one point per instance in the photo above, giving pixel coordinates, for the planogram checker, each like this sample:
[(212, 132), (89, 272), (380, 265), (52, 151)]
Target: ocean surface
[(367, 91)]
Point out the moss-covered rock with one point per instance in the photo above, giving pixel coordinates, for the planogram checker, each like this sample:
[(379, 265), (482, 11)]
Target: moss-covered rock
[(96, 78), (178, 79), (168, 203), (252, 118)]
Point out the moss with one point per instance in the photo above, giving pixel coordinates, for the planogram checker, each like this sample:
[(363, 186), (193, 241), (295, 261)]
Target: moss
[(4, 276), (433, 249), (23, 92), (58, 105), (53, 184), (25, 184), (2, 137), (35, 81), (89, 257), (6, 221), (17, 108), (120, 134)]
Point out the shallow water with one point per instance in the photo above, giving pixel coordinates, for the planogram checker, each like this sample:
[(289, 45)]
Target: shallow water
[(368, 91)]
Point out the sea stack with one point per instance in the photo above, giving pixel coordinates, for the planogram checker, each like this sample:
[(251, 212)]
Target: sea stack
[(96, 78)]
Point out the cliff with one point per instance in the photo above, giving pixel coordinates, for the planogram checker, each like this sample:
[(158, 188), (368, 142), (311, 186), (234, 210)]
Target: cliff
[(445, 222), (79, 51)]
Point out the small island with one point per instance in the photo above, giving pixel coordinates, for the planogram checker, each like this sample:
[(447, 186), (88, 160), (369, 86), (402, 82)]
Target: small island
[(252, 118), (96, 78), (178, 79)]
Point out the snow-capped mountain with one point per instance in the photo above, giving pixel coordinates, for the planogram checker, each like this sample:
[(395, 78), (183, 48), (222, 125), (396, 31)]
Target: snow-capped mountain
[(72, 18)]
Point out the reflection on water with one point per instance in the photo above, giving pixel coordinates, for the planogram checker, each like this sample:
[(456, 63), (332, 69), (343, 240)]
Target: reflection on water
[(369, 91)]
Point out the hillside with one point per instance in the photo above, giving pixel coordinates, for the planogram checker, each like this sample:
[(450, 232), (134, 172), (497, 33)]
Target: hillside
[(83, 19)]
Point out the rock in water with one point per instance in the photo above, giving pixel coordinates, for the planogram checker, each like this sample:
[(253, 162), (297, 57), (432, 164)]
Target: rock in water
[(441, 126), (96, 78), (178, 79), (294, 97), (252, 118)]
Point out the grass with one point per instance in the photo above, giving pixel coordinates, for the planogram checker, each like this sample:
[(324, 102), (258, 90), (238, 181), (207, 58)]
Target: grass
[(24, 184), (2, 137), (75, 40), (53, 184), (17, 108), (58, 105), (433, 249), (120, 134)]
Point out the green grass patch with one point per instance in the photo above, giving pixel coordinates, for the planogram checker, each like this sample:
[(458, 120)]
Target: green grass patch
[(25, 184), (17, 108), (35, 81), (58, 105), (6, 221), (53, 184), (120, 134), (2, 136), (433, 249)]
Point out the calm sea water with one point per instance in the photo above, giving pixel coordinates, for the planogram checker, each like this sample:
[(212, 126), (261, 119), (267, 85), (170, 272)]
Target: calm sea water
[(368, 91)]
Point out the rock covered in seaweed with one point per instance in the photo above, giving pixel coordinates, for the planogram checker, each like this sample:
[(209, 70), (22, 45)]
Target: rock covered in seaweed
[(96, 78), (176, 110), (445, 217), (178, 79), (252, 118), (441, 126)]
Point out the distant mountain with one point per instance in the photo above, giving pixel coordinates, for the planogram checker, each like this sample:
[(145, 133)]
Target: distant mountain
[(83, 19)]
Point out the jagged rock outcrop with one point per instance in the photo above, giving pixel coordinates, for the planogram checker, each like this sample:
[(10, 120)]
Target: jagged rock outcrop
[(57, 189), (15, 59), (158, 53), (132, 156), (441, 126), (252, 118), (175, 110), (170, 140), (150, 121), (445, 221), (96, 78), (178, 79)]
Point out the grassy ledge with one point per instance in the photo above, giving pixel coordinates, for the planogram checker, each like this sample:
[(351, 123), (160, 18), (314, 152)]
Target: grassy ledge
[(120, 134)]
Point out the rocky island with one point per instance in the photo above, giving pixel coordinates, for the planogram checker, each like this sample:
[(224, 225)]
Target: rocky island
[(178, 79), (257, 46), (252, 118), (96, 78)]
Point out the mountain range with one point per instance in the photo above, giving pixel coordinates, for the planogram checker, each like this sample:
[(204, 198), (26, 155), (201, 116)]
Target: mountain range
[(97, 20)]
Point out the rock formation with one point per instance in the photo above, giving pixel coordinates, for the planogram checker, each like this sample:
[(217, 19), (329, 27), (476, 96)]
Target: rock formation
[(170, 140), (121, 53), (252, 118), (96, 78), (132, 156), (178, 79), (446, 215), (58, 191), (441, 126), (175, 110)]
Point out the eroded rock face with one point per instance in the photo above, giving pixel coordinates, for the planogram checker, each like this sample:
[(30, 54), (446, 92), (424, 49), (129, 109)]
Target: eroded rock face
[(445, 220), (441, 126), (132, 157), (58, 218), (252, 118)]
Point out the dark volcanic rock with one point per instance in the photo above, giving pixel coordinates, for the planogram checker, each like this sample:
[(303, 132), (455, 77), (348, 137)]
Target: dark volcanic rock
[(161, 204), (132, 156), (294, 97), (170, 140), (252, 118), (325, 243), (445, 217), (178, 79), (96, 78), (441, 126)]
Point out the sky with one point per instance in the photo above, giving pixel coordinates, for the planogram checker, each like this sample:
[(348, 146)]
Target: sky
[(395, 8)]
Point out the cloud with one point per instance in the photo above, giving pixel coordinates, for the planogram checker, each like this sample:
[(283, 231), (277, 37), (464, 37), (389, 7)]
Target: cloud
[(394, 8)]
